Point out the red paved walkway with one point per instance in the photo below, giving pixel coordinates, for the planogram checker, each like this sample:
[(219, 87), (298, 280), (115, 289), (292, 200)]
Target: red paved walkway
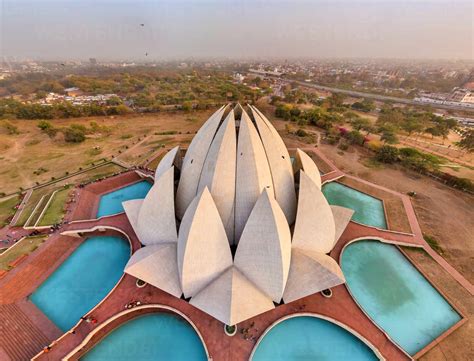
[(410, 211), (28, 275), (340, 307)]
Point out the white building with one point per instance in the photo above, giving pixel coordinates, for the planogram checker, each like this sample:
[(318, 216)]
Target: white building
[(246, 238)]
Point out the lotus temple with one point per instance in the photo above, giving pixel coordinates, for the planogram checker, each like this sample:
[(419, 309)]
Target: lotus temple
[(236, 248)]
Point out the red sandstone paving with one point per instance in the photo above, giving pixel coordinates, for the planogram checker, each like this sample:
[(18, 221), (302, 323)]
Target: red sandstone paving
[(341, 307)]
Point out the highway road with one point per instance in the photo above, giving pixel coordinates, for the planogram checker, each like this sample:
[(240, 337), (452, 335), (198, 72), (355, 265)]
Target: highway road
[(373, 96)]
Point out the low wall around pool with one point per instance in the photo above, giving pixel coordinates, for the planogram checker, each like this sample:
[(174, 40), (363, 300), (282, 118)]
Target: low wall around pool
[(397, 296), (120, 319)]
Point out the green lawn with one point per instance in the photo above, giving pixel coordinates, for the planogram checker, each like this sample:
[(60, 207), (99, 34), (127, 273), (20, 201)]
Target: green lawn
[(31, 204), (154, 163), (25, 246), (93, 174), (7, 209), (55, 211)]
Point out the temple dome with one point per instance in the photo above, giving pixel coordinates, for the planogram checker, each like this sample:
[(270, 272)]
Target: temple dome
[(234, 225)]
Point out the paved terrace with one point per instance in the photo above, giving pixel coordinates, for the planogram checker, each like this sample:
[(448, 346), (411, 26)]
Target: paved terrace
[(340, 307), (26, 277), (417, 235)]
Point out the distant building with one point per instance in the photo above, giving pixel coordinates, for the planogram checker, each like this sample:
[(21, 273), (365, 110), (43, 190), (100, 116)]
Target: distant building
[(462, 95), (93, 61), (73, 92), (239, 78)]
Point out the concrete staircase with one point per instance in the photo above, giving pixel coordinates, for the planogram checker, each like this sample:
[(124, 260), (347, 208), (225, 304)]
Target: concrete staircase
[(20, 338)]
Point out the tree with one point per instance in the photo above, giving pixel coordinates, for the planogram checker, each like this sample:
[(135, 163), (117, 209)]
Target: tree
[(74, 134), (387, 154), (283, 111), (467, 141), (393, 117), (421, 161), (122, 109), (437, 131), (388, 134), (360, 123), (355, 137), (48, 128), (369, 129), (366, 105), (411, 125), (114, 101), (336, 102)]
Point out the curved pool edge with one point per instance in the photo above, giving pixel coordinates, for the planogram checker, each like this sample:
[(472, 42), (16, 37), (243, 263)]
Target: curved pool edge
[(92, 233), (448, 299), (153, 308), (130, 243), (95, 210), (434, 342), (381, 200), (376, 352)]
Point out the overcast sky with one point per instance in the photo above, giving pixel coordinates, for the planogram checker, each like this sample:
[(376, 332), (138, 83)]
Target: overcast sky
[(106, 29)]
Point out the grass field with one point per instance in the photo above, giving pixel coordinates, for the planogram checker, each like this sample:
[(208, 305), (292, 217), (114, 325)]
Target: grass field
[(55, 211), (7, 209), (154, 163), (46, 191), (25, 246), (31, 204), (31, 156)]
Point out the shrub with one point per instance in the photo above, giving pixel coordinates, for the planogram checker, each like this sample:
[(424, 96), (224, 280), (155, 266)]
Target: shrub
[(74, 134), (10, 128), (420, 161), (355, 137), (301, 133), (343, 146), (374, 145), (387, 154), (48, 128)]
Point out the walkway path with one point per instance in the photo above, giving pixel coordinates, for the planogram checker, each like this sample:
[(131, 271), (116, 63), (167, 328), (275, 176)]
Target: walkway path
[(340, 307), (21, 281), (20, 209), (410, 211)]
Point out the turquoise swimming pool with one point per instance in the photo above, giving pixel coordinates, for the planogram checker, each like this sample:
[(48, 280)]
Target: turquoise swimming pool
[(311, 338), (152, 337), (111, 203), (395, 295), (82, 281), (368, 210)]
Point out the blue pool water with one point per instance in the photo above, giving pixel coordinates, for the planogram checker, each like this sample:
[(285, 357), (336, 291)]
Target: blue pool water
[(368, 210), (82, 281), (151, 337), (395, 295), (310, 338), (111, 203)]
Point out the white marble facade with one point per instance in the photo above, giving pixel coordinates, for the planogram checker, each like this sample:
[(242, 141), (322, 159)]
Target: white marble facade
[(236, 190)]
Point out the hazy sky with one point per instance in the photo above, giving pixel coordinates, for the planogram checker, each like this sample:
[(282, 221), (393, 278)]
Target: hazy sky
[(106, 29)]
